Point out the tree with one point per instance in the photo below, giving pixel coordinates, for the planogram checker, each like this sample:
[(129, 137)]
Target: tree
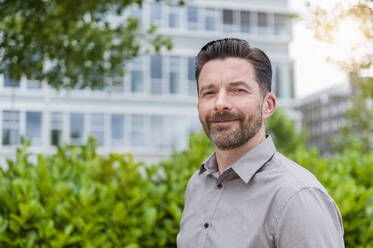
[(72, 44), (330, 25), (286, 136)]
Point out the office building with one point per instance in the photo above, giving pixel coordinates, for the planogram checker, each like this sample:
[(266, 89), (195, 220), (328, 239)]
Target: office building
[(154, 110)]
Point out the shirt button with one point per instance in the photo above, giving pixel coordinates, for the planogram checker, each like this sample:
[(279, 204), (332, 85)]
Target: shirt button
[(219, 185), (206, 225)]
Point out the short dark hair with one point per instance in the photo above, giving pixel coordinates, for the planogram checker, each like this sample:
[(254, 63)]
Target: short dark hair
[(237, 48)]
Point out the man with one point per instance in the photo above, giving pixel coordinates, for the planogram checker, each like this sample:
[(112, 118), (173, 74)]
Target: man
[(246, 194)]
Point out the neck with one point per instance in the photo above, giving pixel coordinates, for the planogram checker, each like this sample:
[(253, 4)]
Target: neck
[(227, 157)]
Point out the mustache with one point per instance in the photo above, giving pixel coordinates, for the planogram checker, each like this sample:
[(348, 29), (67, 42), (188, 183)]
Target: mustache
[(225, 116)]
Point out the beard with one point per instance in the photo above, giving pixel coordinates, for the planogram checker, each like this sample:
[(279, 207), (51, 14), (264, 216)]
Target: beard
[(226, 137)]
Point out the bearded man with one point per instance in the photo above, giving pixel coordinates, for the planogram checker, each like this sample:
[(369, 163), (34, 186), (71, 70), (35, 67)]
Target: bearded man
[(246, 194)]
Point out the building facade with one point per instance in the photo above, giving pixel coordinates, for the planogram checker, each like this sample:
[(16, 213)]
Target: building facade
[(323, 115), (154, 110)]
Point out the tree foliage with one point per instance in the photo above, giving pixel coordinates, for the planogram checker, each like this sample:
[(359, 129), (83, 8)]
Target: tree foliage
[(71, 44), (329, 22)]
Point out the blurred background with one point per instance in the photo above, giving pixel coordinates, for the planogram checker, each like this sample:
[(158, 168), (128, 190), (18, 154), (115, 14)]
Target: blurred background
[(122, 72)]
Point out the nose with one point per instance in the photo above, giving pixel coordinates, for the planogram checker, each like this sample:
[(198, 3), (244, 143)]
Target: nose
[(222, 102)]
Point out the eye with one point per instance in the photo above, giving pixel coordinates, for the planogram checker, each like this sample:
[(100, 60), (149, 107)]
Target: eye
[(206, 93), (238, 90)]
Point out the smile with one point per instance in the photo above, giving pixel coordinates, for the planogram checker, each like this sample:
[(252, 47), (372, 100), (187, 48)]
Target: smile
[(223, 122)]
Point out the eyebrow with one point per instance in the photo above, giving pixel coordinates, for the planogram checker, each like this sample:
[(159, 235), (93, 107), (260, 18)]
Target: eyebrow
[(209, 86), (240, 83)]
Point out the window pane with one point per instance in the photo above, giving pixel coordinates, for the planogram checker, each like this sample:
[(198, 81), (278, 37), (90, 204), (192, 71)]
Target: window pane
[(173, 17), (192, 13), (117, 129), (98, 128), (284, 78), (227, 16), (157, 131), (76, 128), (155, 9), (33, 84), (210, 19), (191, 72), (156, 66), (11, 128), (137, 131), (175, 83), (245, 21), (10, 82), (33, 127), (137, 84), (262, 19), (282, 24)]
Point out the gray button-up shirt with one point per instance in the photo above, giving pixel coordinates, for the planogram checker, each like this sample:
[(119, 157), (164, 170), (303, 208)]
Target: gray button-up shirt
[(262, 200)]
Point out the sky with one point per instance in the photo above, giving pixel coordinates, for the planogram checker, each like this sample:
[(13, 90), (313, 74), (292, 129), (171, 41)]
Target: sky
[(312, 72)]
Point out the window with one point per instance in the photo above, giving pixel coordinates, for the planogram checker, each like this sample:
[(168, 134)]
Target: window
[(33, 127), (76, 128), (117, 129), (245, 21), (137, 82), (56, 128), (137, 130), (262, 22), (156, 74), (282, 24), (157, 132), (11, 128), (173, 17), (227, 16), (228, 20), (33, 84), (98, 128), (284, 81), (155, 13), (192, 17), (192, 88), (175, 76), (210, 19), (10, 82)]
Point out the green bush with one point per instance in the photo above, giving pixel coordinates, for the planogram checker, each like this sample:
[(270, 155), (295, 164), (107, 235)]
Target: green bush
[(77, 198)]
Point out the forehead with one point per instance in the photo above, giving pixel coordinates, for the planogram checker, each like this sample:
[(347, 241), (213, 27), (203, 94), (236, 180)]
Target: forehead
[(227, 70)]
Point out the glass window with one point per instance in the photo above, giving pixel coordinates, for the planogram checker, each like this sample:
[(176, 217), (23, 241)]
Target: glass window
[(210, 19), (156, 66), (156, 11), (11, 128), (192, 88), (245, 21), (262, 19), (76, 128), (56, 129), (192, 17), (10, 82), (175, 76), (33, 84), (173, 17), (227, 16), (138, 130), (33, 127), (98, 128), (284, 80), (137, 83), (282, 24), (117, 129), (157, 132)]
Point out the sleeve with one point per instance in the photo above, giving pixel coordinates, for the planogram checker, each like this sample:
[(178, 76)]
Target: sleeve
[(310, 218)]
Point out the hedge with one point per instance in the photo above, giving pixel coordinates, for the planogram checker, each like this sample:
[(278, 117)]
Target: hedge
[(77, 198)]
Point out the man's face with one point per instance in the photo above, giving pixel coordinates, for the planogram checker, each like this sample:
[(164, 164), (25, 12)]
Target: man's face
[(230, 103)]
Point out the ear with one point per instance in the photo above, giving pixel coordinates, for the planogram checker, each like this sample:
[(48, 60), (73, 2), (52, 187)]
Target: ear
[(269, 105)]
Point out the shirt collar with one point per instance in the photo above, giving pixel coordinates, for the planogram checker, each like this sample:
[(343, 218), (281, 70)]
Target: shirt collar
[(246, 166)]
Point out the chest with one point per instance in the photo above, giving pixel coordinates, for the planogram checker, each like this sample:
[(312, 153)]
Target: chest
[(233, 214)]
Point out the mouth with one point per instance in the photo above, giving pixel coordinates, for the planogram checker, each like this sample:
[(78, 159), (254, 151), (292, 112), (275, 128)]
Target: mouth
[(223, 122)]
